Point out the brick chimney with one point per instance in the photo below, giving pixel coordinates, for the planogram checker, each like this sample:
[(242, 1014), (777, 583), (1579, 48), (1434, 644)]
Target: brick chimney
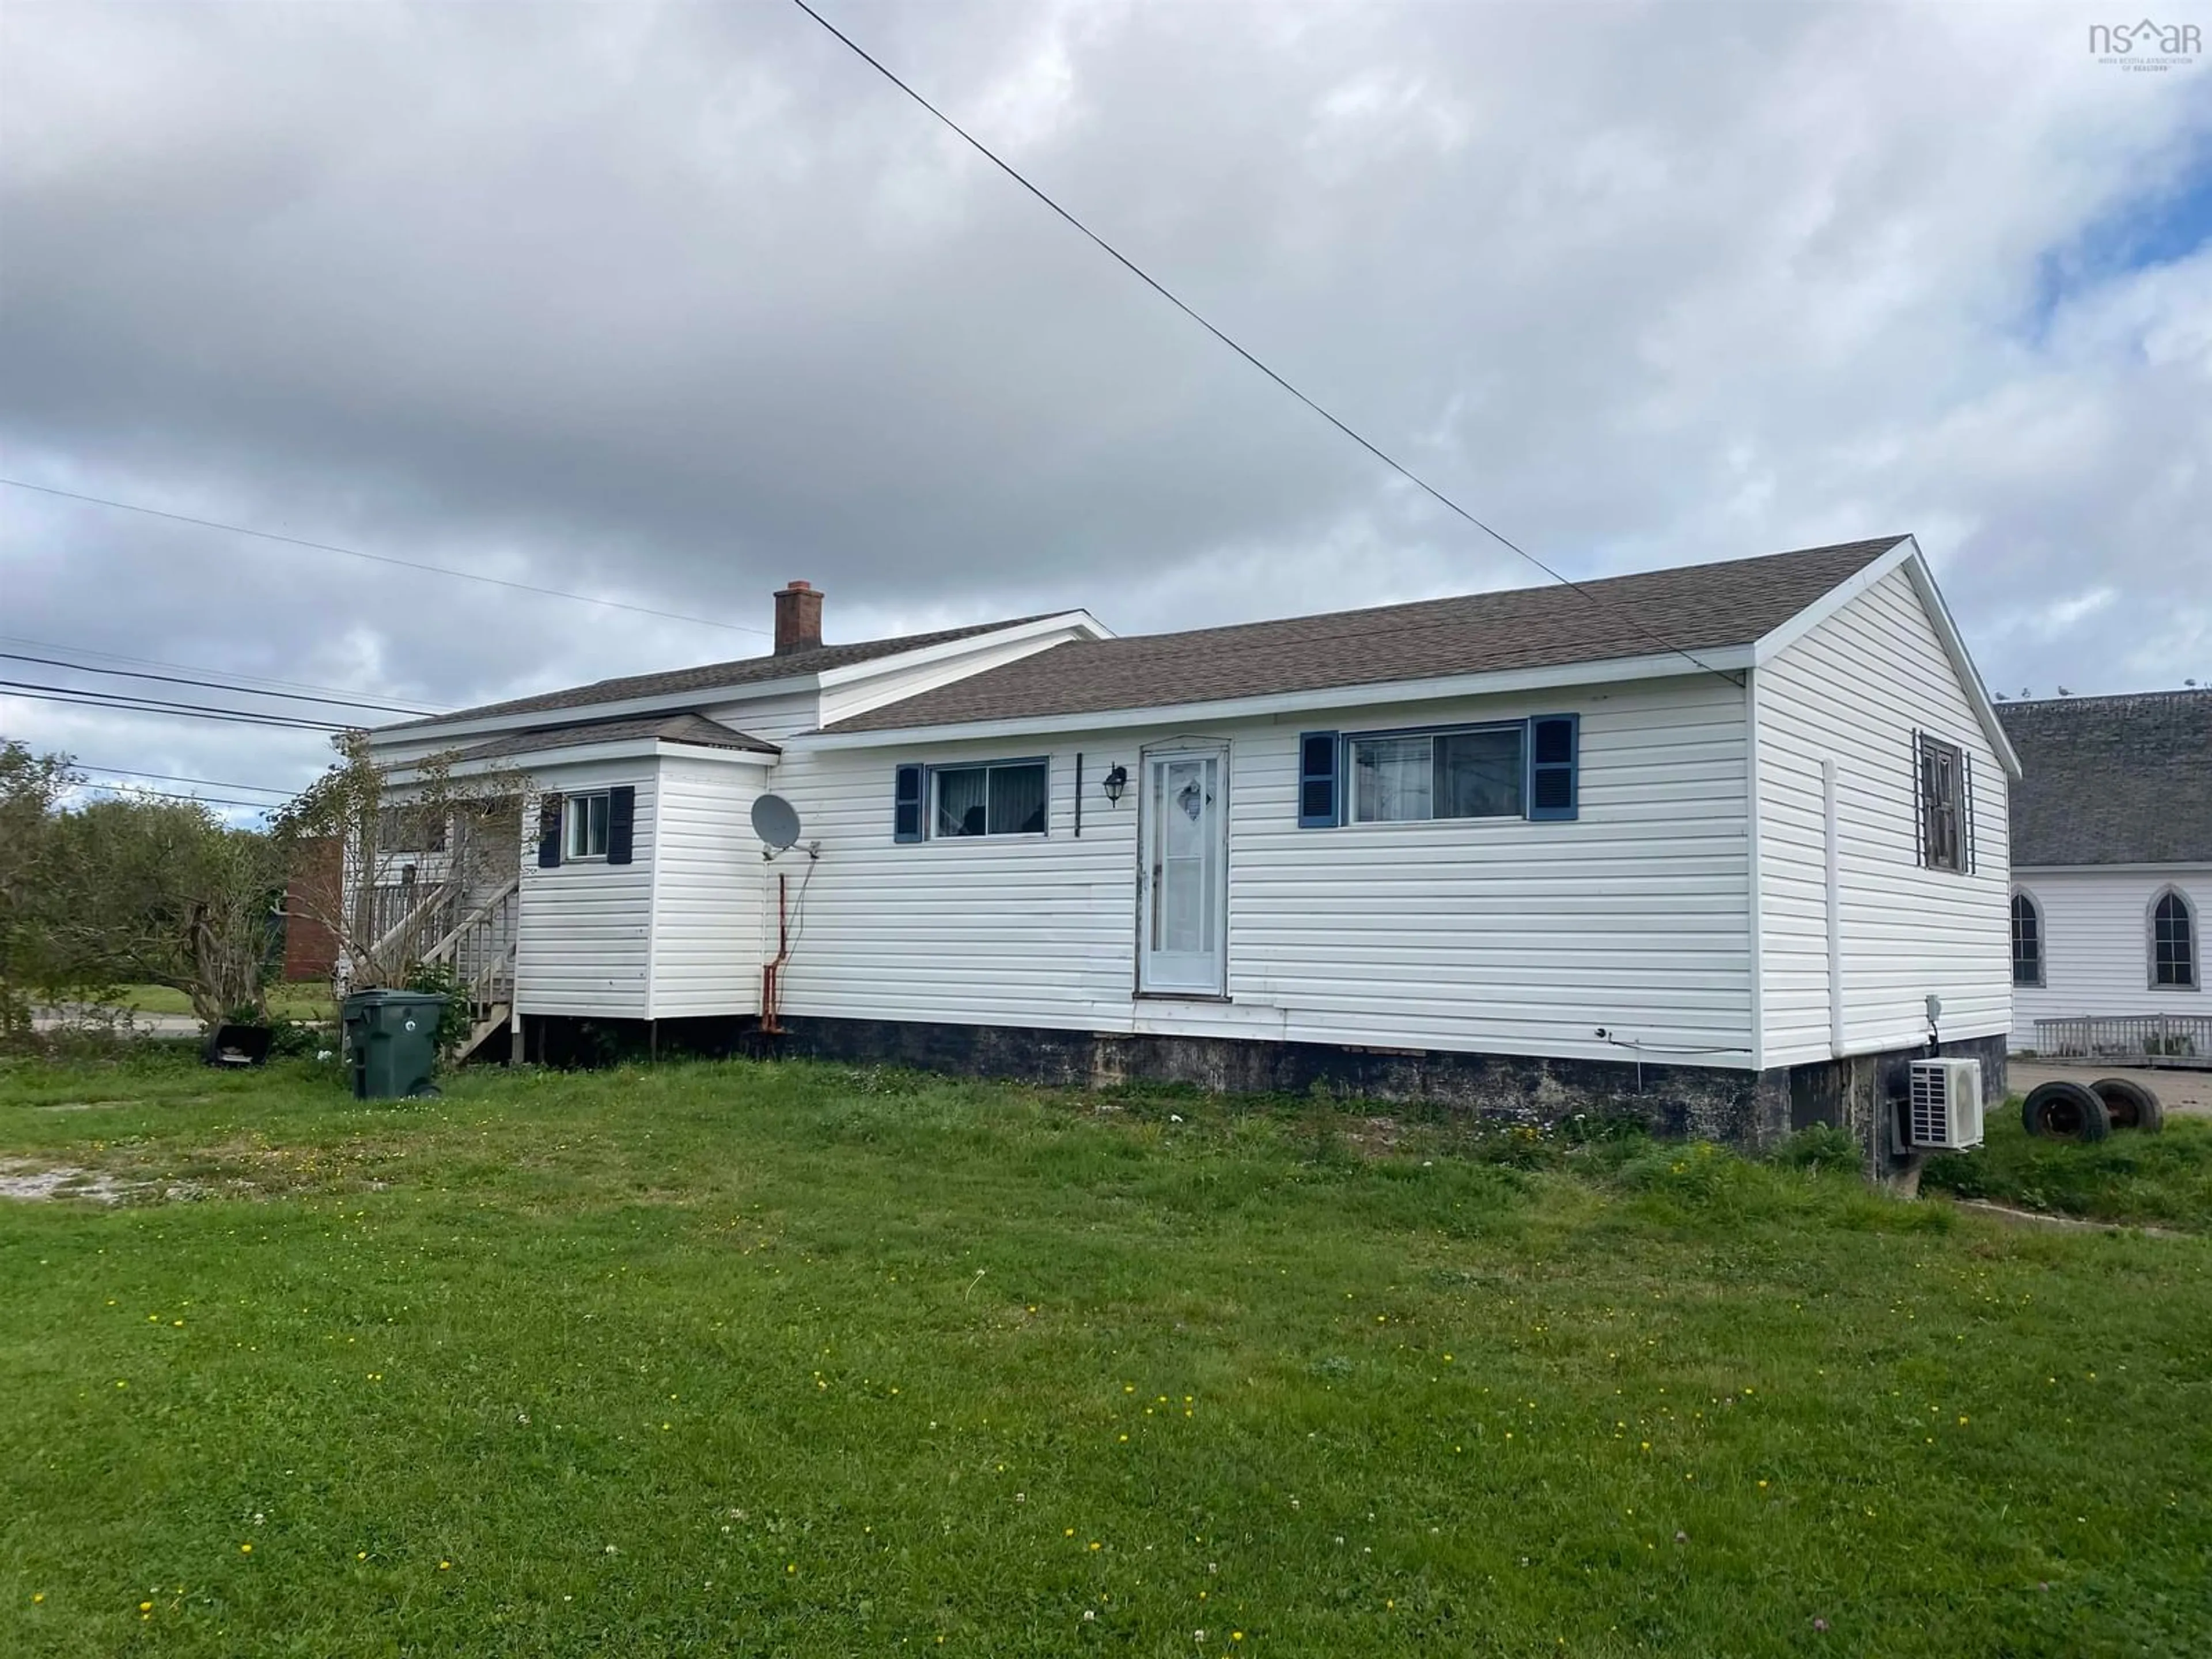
[(797, 619)]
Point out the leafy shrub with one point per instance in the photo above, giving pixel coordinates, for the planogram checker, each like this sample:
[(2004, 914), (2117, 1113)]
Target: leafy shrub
[(291, 1039), (1819, 1147), (438, 979)]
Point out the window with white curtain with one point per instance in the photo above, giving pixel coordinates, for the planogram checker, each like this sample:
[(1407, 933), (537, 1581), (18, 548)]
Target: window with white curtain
[(1409, 777), (1003, 798)]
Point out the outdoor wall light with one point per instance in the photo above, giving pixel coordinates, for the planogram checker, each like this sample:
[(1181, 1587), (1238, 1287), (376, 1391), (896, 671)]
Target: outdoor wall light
[(1116, 781)]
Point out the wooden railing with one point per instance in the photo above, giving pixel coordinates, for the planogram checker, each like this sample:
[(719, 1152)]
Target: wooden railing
[(480, 950), (405, 917), (2141, 1039)]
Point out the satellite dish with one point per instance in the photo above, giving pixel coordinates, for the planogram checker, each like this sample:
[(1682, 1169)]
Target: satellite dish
[(775, 821)]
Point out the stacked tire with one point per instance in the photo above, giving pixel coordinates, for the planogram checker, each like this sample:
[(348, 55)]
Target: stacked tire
[(2085, 1112)]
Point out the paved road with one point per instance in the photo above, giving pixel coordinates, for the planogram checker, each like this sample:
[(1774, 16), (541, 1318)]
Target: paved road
[(2178, 1090), (48, 1020)]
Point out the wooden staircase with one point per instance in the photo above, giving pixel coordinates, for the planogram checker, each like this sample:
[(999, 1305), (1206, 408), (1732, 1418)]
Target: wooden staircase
[(480, 950)]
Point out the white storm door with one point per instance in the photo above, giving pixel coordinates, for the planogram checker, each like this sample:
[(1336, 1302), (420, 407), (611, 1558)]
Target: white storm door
[(1182, 876)]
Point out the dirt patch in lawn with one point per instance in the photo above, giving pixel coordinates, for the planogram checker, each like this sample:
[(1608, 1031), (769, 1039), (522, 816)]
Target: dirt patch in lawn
[(238, 1168), (30, 1182)]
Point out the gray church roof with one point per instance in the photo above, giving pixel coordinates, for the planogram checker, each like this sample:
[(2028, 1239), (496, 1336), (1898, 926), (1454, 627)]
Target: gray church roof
[(2121, 780)]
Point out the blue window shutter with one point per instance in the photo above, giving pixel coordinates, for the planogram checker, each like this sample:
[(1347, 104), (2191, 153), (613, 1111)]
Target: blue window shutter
[(549, 832), (906, 803), (1318, 806), (622, 821), (1554, 761)]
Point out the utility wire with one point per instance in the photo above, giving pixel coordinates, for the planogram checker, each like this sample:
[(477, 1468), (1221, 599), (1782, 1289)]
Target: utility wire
[(150, 705), (175, 777), (258, 681), (1165, 293), (135, 791), (209, 685), (379, 558)]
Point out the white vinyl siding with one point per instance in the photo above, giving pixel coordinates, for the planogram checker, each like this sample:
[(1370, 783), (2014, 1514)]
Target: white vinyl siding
[(771, 719), (709, 882), (1489, 934), (584, 940), (851, 698), (991, 931), (2096, 944), (1853, 691)]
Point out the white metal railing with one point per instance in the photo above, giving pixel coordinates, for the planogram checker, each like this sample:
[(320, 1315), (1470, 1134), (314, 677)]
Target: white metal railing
[(2144, 1039)]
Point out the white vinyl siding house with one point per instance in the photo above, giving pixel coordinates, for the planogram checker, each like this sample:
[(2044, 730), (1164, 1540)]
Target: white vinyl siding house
[(1543, 842), (1849, 970)]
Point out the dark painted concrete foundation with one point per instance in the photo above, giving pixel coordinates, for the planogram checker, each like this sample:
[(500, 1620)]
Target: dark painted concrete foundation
[(1859, 1093), (1746, 1109)]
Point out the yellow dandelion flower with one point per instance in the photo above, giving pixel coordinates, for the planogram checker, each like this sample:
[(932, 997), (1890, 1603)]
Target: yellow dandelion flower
[(145, 1607)]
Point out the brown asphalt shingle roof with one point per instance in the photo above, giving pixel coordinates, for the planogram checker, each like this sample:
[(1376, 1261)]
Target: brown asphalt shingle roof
[(2112, 780), (711, 676), (695, 729), (1696, 607)]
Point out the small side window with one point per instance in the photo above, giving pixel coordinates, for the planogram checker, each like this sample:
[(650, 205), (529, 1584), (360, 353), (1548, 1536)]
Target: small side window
[(1943, 825), (2026, 941), (2173, 943), (585, 833)]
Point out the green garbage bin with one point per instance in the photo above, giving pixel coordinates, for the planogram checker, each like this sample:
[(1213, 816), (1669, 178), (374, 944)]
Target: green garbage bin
[(391, 1039)]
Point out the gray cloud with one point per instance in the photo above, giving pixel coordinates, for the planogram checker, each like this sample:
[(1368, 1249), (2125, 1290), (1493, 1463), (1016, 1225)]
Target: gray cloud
[(671, 305)]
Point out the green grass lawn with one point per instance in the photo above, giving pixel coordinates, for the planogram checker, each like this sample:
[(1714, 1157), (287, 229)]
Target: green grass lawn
[(787, 1360), (2163, 1180)]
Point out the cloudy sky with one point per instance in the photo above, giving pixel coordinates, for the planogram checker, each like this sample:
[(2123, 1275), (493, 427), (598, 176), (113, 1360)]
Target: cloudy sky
[(664, 306)]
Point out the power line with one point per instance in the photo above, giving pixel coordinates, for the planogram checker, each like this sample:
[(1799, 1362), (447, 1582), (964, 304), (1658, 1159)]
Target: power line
[(175, 777), (379, 558), (258, 681), (150, 706), (134, 792), (207, 685), (1165, 293)]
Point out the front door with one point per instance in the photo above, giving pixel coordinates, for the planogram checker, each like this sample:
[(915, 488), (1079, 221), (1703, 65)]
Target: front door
[(1182, 874)]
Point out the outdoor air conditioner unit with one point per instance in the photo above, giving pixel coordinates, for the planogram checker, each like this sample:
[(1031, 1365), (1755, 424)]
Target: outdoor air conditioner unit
[(1943, 1112)]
